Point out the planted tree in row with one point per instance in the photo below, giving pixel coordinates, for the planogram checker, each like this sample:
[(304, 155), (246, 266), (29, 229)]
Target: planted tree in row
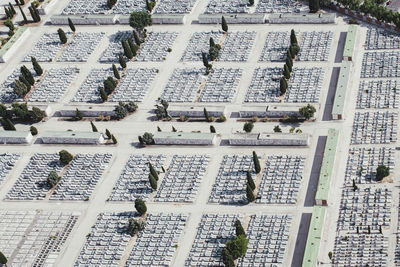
[(140, 206), (53, 179), (65, 157), (62, 36)]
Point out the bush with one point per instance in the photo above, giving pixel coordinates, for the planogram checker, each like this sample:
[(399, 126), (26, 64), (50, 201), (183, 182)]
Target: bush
[(381, 172), (78, 115), (307, 111), (248, 126), (53, 179), (140, 206), (146, 139), (135, 226), (33, 130), (120, 112), (37, 114), (277, 129), (222, 118), (65, 157)]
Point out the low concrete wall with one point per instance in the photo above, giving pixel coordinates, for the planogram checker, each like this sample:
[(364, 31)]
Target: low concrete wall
[(232, 18), (268, 113), (84, 19), (85, 113), (46, 7), (272, 139), (157, 19), (302, 18), (20, 36), (71, 140), (15, 137)]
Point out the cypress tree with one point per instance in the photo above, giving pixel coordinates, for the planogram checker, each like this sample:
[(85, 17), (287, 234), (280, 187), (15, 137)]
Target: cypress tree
[(20, 88), (63, 37), (153, 171), (140, 206), (158, 129), (286, 72), (212, 129), (239, 228), (103, 95), (23, 14), (78, 115), (27, 75), (224, 24), (116, 73), (289, 64), (257, 167), (292, 51), (206, 114), (153, 182), (108, 134), (136, 38), (293, 39), (32, 13), (289, 54), (122, 61), (249, 194), (7, 125), (8, 13), (127, 50), (132, 46), (94, 128), (250, 181), (114, 139), (313, 5), (173, 129), (24, 81), (212, 43), (205, 60), (12, 8), (38, 69), (283, 85), (71, 25)]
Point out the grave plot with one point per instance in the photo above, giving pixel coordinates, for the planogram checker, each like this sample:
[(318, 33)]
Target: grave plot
[(46, 49), (374, 128), (34, 238), (213, 232), (381, 65), (228, 6), (134, 86), (81, 47), (315, 46), (89, 90), (304, 86), (126, 7), (114, 48), (107, 240), (381, 39), (7, 94), (91, 7), (237, 46), (198, 43), (281, 180), (174, 7), (81, 177), (7, 162), (363, 208), (280, 6), (221, 85), (155, 48), (156, 244), (268, 238), (183, 85), (32, 182), (275, 46), (54, 85), (378, 94), (362, 164), (134, 180), (397, 249), (361, 250), (230, 184), (76, 183), (183, 178)]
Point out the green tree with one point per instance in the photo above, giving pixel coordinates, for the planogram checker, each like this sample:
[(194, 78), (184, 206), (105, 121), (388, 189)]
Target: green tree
[(103, 94), (206, 114), (136, 38), (139, 20), (65, 157), (283, 85), (286, 72), (250, 180), (140, 206), (277, 129), (109, 85), (146, 139), (213, 52), (78, 115), (111, 3), (63, 37), (224, 24), (227, 258), (159, 129), (108, 134), (26, 73), (132, 46), (251, 2), (3, 259), (307, 111), (122, 61), (206, 64), (7, 125), (120, 112), (212, 129), (33, 130), (256, 162), (150, 5), (381, 172), (313, 5), (153, 171), (289, 64), (238, 246), (248, 126), (249, 194), (20, 111), (23, 15), (114, 139), (131, 106), (10, 26), (239, 228), (71, 25), (37, 114), (294, 50), (153, 182), (38, 69), (22, 79), (20, 89), (116, 72), (94, 128), (135, 226), (53, 179), (127, 50), (293, 38)]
